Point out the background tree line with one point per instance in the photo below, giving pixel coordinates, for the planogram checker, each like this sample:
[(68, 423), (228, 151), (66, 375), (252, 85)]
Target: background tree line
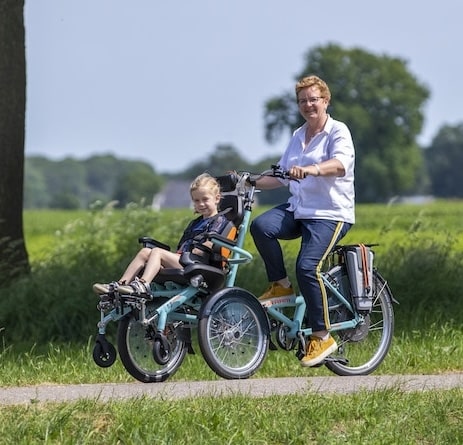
[(73, 184)]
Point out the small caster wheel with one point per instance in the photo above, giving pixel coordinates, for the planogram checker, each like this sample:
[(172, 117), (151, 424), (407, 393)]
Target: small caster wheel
[(102, 358)]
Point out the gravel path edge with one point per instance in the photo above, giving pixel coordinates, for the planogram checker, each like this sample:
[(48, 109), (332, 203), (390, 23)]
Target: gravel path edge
[(253, 387)]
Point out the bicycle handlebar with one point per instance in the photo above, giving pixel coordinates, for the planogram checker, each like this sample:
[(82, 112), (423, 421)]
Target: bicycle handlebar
[(275, 171), (242, 179)]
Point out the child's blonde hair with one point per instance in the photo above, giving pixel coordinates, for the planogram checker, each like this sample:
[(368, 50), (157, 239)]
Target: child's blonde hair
[(207, 181)]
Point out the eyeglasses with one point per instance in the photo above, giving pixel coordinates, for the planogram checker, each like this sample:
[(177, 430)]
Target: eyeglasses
[(309, 100)]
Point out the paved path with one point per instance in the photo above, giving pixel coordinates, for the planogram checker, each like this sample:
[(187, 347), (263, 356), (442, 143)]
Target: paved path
[(252, 387)]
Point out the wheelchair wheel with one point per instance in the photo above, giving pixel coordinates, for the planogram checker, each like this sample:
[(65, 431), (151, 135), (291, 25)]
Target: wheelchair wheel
[(136, 344), (363, 348), (233, 333)]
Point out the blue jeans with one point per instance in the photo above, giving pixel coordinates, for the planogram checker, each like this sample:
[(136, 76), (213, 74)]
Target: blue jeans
[(318, 237)]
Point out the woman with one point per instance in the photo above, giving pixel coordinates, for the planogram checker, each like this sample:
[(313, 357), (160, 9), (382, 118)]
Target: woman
[(320, 159)]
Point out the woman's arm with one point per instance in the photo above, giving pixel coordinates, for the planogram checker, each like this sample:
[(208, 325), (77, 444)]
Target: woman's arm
[(331, 167), (268, 183)]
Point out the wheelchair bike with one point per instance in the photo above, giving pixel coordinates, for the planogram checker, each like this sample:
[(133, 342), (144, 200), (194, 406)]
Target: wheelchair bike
[(234, 328), (154, 334)]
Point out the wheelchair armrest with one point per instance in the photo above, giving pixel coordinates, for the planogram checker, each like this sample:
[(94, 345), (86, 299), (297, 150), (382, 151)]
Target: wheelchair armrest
[(223, 239), (150, 242)]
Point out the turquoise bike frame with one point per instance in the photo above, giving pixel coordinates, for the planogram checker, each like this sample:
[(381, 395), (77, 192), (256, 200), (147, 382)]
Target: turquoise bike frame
[(275, 306)]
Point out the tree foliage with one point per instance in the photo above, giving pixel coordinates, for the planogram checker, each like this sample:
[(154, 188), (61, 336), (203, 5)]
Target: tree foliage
[(72, 183), (380, 101), (224, 158), (444, 160), (137, 184)]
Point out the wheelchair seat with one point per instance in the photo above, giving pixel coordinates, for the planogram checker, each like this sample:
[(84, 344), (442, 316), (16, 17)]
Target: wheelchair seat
[(212, 276)]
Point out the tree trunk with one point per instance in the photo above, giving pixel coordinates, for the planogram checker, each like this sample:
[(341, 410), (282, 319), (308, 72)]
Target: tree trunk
[(13, 254)]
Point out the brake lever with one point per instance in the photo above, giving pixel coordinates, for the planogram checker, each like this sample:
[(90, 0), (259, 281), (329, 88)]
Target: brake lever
[(283, 174)]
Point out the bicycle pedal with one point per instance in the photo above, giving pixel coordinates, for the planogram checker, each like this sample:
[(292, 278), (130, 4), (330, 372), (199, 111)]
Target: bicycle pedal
[(341, 360), (274, 325)]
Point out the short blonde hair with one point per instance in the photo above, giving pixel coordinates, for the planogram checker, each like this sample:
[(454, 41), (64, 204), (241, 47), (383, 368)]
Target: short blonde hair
[(314, 81), (205, 180)]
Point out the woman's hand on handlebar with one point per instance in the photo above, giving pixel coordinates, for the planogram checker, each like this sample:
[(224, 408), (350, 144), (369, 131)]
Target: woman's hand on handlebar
[(297, 172), (268, 179)]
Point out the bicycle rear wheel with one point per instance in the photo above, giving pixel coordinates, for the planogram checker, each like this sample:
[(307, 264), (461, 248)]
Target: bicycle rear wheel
[(136, 343), (362, 349), (233, 333)]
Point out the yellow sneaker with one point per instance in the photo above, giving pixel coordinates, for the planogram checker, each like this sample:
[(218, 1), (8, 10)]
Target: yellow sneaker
[(317, 350), (277, 290)]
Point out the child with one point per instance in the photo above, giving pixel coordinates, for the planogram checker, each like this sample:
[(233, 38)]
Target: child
[(205, 195)]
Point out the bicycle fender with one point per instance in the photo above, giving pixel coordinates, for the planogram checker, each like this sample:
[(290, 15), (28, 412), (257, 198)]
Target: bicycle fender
[(386, 284), (207, 306)]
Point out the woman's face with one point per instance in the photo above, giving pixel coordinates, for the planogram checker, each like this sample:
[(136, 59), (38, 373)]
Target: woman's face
[(205, 202), (311, 104)]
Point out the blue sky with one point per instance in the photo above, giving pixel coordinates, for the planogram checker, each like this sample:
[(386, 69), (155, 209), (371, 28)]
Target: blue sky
[(166, 82)]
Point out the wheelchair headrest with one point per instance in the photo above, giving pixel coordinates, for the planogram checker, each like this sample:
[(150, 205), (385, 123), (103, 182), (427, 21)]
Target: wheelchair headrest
[(233, 205), (227, 182)]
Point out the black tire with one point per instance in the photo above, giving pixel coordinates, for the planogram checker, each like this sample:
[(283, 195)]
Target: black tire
[(104, 359), (234, 334), (135, 343), (366, 346)]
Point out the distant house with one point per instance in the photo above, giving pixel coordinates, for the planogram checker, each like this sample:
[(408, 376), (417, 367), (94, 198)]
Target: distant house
[(174, 195), (416, 199)]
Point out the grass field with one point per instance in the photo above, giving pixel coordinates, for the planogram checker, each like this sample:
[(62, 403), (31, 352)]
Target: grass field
[(375, 223), (378, 417), (420, 252)]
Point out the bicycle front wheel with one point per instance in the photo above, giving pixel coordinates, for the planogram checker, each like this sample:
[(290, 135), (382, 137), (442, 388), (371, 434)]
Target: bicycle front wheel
[(233, 334), (136, 345), (362, 349)]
